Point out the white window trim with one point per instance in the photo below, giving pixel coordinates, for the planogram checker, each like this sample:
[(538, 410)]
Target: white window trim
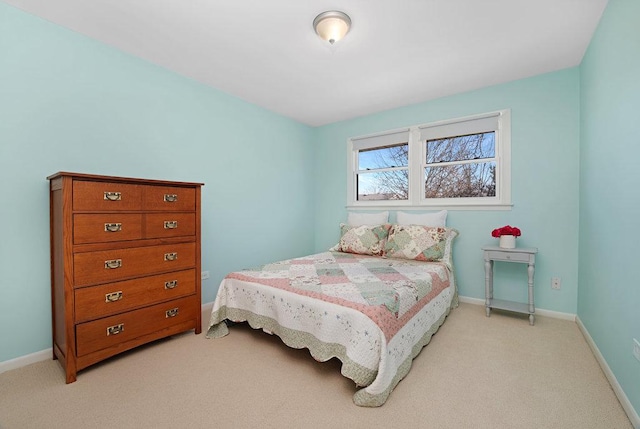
[(417, 201)]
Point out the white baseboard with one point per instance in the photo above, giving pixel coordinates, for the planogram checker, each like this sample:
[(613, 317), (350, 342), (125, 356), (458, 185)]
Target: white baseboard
[(613, 381), (46, 354), (207, 306), (21, 361), (539, 311), (622, 397)]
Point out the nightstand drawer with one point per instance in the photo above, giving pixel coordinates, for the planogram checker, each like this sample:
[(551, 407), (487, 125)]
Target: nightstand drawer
[(167, 198), (111, 265), (111, 298), (106, 196), (160, 225), (509, 256), (113, 330), (106, 227)]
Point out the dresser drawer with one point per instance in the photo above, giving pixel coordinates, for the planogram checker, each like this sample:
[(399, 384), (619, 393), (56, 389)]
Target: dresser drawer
[(106, 266), (167, 198), (111, 298), (160, 225), (100, 228), (110, 331), (106, 196)]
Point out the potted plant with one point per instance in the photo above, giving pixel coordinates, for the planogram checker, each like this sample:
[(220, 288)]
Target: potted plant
[(507, 235)]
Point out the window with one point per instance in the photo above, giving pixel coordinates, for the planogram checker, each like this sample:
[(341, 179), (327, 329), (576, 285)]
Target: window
[(462, 162)]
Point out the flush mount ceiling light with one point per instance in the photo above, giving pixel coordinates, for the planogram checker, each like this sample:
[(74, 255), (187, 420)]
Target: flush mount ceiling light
[(332, 26)]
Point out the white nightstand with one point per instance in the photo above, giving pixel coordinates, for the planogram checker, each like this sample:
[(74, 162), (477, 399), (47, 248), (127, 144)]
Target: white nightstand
[(522, 255)]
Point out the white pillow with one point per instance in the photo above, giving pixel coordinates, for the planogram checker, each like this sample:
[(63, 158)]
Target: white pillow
[(358, 219), (424, 219)]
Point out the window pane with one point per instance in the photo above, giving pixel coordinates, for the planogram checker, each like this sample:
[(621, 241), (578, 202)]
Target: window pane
[(461, 148), (461, 180), (385, 157), (386, 185)]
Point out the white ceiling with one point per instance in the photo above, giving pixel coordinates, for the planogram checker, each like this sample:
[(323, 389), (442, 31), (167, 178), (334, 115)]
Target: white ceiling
[(398, 52)]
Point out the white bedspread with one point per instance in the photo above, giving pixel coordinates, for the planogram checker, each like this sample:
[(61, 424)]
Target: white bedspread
[(326, 303)]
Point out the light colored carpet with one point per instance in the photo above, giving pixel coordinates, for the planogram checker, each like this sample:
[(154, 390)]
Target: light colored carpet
[(477, 372)]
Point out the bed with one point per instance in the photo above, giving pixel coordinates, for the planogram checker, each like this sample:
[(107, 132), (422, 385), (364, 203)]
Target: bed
[(373, 301)]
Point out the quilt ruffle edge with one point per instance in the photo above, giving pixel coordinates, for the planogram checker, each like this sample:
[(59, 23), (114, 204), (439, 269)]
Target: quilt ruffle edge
[(322, 351), (319, 350), (363, 398)]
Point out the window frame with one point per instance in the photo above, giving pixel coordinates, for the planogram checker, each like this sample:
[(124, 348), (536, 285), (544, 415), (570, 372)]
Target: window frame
[(501, 121)]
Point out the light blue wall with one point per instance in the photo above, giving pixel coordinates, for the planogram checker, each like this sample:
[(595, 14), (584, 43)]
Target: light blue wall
[(545, 175), (609, 293), (69, 103)]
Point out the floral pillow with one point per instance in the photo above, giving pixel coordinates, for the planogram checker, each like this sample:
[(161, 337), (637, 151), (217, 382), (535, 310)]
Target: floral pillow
[(418, 242), (363, 239)]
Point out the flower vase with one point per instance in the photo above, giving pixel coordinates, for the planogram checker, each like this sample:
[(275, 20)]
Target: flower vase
[(508, 241)]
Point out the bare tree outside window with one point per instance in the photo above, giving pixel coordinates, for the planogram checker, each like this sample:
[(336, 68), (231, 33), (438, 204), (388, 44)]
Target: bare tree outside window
[(456, 167), (460, 162), (461, 167), (387, 173)]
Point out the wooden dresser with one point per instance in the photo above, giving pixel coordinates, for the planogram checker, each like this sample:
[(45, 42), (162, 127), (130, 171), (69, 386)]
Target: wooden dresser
[(125, 264)]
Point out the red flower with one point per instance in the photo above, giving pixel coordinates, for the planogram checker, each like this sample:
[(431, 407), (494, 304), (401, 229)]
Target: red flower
[(506, 230)]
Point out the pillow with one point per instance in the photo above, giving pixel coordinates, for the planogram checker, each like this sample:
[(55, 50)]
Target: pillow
[(357, 219), (363, 239), (426, 219), (418, 242)]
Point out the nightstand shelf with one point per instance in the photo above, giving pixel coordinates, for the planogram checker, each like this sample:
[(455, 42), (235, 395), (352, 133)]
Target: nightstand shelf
[(501, 304), (518, 255)]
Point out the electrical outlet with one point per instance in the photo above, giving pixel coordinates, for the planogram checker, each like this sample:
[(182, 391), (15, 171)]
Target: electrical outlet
[(555, 282), (204, 275), (636, 349)]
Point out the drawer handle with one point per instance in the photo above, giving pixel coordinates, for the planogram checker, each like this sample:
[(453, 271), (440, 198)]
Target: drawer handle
[(170, 224), (171, 256), (113, 196), (171, 313), (115, 329), (170, 285), (113, 264), (170, 198), (112, 227), (113, 296)]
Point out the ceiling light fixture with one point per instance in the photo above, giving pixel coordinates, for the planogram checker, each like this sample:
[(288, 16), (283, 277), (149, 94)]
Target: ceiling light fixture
[(332, 25)]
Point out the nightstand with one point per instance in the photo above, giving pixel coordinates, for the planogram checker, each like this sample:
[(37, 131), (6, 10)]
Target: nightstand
[(522, 255)]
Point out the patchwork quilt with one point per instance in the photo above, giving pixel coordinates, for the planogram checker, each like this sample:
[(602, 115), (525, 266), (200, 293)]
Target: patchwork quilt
[(374, 314)]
